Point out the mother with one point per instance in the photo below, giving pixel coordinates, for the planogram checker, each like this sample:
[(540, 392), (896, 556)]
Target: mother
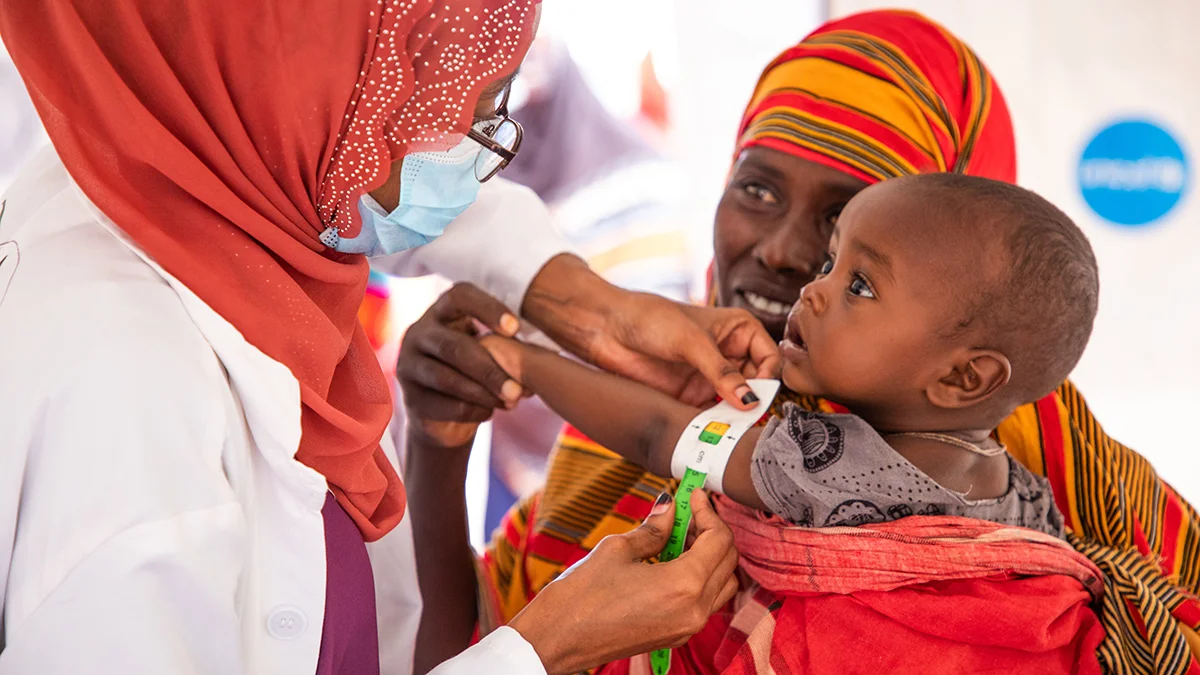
[(864, 99)]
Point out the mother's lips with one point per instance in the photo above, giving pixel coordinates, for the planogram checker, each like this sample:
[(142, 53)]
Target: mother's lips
[(765, 304)]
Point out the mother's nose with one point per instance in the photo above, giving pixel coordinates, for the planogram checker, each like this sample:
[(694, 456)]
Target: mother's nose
[(793, 251)]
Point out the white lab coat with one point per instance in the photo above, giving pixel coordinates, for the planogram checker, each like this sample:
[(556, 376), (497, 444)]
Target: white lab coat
[(153, 518)]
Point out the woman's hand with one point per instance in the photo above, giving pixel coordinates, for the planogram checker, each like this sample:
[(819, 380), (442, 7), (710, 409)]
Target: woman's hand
[(688, 352), (450, 382), (612, 605)]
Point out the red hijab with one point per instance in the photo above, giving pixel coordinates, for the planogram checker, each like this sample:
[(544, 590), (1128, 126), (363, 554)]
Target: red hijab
[(224, 137)]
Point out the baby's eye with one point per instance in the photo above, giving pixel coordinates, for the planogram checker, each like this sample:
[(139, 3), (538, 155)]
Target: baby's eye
[(826, 267), (860, 287)]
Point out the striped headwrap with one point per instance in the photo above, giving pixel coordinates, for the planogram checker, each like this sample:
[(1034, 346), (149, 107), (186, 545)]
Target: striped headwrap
[(879, 95), (883, 94)]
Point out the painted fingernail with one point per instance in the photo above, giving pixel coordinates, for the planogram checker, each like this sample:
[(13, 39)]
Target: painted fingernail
[(511, 391), (509, 324), (749, 397), (662, 504)]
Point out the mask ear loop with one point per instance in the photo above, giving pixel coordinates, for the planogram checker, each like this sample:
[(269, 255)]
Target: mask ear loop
[(330, 237)]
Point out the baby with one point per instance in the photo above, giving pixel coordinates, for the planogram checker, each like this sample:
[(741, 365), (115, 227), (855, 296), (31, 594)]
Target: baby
[(947, 302)]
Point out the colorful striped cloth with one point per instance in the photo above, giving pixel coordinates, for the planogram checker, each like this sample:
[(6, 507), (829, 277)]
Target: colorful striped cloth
[(878, 95), (883, 94)]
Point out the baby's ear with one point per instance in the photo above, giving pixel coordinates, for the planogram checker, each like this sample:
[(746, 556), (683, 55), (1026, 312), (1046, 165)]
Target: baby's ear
[(976, 375)]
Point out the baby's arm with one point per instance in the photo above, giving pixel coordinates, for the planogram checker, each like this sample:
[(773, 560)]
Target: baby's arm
[(639, 423)]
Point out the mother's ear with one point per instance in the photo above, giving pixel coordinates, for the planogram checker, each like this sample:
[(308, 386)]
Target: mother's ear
[(974, 377)]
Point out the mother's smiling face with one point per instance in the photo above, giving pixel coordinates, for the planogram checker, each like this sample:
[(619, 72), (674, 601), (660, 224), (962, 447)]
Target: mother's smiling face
[(772, 231), (862, 99)]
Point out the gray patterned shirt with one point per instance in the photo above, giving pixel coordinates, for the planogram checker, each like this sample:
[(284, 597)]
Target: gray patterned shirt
[(821, 470)]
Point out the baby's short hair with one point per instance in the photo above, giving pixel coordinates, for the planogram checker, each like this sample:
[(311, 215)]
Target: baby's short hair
[(1042, 310)]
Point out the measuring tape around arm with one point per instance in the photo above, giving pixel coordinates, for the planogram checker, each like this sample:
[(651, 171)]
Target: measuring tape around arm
[(699, 461)]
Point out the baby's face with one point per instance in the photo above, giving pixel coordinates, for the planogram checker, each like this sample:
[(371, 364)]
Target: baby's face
[(873, 331)]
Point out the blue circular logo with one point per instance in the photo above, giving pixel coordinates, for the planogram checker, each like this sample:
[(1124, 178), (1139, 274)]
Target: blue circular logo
[(1133, 172)]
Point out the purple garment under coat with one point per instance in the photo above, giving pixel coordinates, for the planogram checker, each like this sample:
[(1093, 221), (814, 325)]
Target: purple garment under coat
[(350, 637)]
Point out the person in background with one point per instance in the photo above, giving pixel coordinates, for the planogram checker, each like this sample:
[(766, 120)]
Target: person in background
[(609, 189), (614, 196)]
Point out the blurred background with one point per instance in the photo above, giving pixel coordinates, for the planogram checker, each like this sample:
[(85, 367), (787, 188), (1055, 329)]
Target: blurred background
[(631, 111)]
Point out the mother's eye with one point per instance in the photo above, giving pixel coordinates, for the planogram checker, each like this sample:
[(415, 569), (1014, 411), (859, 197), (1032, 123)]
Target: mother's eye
[(759, 192)]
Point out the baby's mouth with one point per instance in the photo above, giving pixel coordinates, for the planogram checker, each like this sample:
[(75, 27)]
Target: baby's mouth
[(793, 337)]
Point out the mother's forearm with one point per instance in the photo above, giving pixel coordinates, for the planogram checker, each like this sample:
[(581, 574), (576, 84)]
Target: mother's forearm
[(435, 479), (568, 302)]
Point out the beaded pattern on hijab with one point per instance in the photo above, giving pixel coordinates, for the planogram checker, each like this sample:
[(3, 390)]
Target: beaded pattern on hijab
[(390, 115)]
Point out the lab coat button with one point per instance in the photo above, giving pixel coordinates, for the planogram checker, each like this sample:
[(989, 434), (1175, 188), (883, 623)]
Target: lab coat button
[(286, 622)]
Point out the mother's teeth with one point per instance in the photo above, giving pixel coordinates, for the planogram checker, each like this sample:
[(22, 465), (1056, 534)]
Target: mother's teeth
[(764, 305)]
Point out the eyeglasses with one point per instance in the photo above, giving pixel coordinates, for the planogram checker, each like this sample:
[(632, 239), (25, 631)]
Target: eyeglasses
[(500, 138)]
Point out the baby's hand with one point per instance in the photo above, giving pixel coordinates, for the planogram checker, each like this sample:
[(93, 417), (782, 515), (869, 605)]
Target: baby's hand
[(450, 383), (506, 352)]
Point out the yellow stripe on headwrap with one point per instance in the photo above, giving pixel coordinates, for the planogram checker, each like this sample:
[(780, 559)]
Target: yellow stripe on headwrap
[(919, 93), (904, 72), (848, 87)]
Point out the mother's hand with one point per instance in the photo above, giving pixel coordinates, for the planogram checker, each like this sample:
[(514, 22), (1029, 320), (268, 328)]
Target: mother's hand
[(688, 352), (611, 605)]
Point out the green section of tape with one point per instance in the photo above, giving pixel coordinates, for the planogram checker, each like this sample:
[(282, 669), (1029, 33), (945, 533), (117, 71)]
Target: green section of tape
[(660, 660)]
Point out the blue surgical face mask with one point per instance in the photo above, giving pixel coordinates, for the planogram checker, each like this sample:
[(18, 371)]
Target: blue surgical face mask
[(435, 188)]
